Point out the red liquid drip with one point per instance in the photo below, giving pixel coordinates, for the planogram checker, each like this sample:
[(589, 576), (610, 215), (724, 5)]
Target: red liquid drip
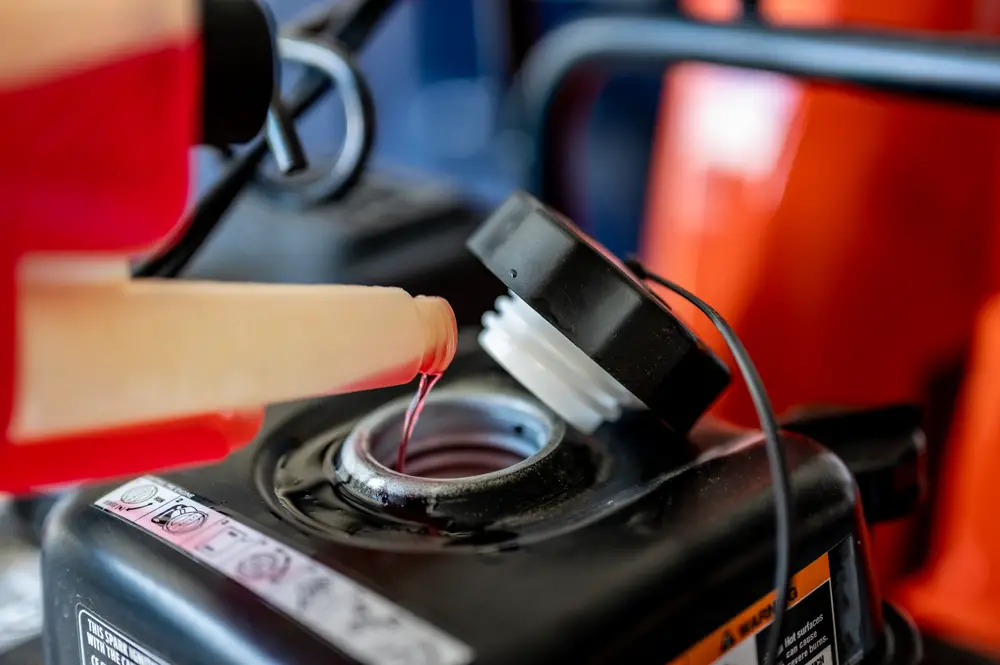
[(427, 382)]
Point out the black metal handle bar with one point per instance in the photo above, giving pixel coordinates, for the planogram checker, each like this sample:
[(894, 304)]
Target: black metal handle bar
[(931, 68)]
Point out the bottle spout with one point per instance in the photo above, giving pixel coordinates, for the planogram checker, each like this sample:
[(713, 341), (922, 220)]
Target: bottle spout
[(97, 350), (441, 333)]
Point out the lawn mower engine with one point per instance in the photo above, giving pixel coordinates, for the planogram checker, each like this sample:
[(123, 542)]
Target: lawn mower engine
[(557, 506)]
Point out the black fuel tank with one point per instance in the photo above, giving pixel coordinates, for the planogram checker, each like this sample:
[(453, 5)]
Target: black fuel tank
[(626, 546)]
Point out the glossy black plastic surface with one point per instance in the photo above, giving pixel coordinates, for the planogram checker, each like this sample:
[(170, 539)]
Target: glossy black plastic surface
[(667, 564)]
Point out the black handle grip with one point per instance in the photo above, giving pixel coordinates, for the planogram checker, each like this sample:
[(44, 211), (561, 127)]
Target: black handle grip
[(884, 448), (959, 71)]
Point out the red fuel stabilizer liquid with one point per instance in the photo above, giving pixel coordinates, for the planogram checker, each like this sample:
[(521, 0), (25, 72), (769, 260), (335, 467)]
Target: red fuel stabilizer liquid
[(427, 382)]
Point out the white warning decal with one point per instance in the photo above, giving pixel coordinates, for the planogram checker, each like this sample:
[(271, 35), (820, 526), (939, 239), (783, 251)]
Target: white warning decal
[(103, 644), (354, 619)]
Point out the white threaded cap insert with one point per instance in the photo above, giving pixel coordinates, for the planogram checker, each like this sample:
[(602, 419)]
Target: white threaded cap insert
[(551, 367)]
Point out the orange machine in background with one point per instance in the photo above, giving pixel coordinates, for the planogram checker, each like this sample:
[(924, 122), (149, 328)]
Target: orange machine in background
[(957, 593), (850, 238)]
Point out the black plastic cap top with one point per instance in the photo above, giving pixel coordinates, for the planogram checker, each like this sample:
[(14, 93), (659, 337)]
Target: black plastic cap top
[(591, 298), (239, 70)]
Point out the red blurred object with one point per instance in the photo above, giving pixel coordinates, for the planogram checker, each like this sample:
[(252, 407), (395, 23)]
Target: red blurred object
[(848, 236), (95, 161), (957, 594)]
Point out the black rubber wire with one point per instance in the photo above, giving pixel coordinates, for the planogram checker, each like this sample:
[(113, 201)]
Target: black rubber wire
[(784, 508)]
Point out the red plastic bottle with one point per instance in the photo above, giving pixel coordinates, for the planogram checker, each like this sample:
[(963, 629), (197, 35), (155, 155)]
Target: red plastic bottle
[(94, 160)]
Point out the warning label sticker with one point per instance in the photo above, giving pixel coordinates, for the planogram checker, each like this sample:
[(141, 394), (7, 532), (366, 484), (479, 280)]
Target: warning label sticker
[(364, 625), (809, 633), (102, 644)]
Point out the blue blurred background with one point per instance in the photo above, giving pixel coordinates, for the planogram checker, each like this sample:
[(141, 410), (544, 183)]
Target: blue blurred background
[(440, 70)]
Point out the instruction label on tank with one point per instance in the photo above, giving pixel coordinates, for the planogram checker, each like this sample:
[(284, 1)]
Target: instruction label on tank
[(809, 630), (359, 622), (103, 644)]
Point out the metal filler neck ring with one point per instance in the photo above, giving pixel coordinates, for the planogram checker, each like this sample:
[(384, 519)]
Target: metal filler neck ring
[(470, 443)]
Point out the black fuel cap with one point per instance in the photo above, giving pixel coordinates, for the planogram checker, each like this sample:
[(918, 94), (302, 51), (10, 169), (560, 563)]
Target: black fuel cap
[(588, 296)]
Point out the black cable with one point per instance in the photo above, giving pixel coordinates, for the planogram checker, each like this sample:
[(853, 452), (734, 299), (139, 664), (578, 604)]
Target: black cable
[(783, 506)]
